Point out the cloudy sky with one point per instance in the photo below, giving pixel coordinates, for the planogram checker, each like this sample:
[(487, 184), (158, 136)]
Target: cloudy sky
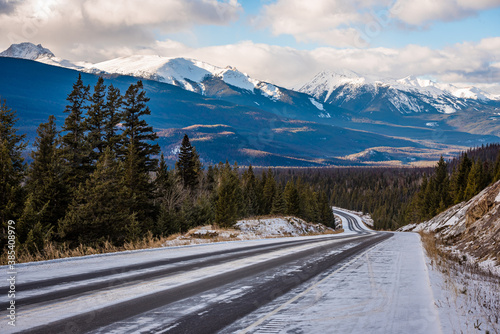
[(281, 41)]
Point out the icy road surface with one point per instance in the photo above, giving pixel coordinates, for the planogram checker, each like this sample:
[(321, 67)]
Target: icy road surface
[(384, 290), (360, 281)]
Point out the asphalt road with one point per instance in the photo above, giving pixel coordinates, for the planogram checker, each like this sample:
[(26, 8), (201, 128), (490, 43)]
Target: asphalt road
[(263, 282)]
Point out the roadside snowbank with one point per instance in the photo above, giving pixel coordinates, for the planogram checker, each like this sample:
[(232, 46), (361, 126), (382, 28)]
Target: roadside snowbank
[(249, 229)]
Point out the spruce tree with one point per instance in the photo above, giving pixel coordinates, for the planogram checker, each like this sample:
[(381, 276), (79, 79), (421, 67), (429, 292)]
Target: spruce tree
[(269, 191), (474, 181), (279, 203), (101, 208), (459, 179), (12, 166), (96, 121), (250, 195), (326, 216), (113, 116), (228, 198), (45, 182), (140, 150), (186, 164), (74, 148), (137, 133), (292, 199)]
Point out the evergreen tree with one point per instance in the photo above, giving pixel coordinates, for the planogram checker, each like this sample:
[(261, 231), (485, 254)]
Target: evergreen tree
[(112, 117), (12, 166), (250, 194), (279, 203), (228, 198), (188, 163), (74, 148), (45, 182), (269, 191), (137, 133), (101, 208), (139, 147), (292, 199), (459, 179), (326, 216), (475, 180), (96, 121)]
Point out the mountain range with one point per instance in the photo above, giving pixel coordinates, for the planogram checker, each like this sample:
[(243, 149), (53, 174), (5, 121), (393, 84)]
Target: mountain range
[(338, 118)]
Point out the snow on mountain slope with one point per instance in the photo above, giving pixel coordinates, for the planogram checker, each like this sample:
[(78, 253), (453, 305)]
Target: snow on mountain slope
[(186, 73), (40, 54), (407, 95), (27, 51)]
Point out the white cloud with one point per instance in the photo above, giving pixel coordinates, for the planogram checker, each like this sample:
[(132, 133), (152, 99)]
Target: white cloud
[(423, 11), (355, 23), (89, 26), (332, 22)]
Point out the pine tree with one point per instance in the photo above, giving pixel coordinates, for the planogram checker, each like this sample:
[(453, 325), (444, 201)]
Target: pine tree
[(137, 133), (45, 181), (474, 181), (186, 165), (279, 203), (269, 191), (96, 121), (250, 195), (326, 216), (292, 199), (101, 208), (75, 151), (228, 198), (112, 117), (140, 150), (459, 179), (12, 166)]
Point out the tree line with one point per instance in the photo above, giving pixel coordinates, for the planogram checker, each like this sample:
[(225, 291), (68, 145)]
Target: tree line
[(455, 181), (101, 178)]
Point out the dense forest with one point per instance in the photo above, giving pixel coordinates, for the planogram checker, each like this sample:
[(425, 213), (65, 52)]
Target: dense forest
[(398, 196), (101, 179)]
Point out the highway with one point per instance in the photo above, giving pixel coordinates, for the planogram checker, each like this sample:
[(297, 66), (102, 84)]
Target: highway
[(201, 290)]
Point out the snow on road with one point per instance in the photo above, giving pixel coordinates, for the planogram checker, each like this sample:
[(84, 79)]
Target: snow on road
[(384, 290), (43, 314)]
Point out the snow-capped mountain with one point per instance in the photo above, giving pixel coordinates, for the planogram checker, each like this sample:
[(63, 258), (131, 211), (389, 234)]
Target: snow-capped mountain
[(27, 51), (189, 74), (352, 91), (38, 53)]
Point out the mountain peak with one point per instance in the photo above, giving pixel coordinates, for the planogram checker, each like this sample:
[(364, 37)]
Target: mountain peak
[(27, 50), (328, 80)]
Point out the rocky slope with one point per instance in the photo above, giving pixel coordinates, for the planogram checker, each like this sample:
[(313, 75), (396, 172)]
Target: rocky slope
[(472, 227)]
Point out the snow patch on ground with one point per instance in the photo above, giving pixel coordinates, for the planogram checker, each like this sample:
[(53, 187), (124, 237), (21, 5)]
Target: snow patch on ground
[(249, 229), (317, 104)]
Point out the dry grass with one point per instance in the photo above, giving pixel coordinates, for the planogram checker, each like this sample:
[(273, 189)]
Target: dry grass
[(475, 291), (53, 251)]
